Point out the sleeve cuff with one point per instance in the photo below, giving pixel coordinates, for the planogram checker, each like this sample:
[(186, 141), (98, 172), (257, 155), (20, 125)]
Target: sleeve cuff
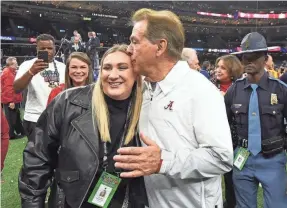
[(167, 159)]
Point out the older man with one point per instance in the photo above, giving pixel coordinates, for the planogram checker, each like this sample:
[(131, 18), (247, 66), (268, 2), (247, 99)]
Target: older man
[(11, 100), (187, 144), (189, 55)]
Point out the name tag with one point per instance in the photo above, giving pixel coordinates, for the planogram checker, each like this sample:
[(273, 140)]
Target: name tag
[(104, 190), (241, 158)]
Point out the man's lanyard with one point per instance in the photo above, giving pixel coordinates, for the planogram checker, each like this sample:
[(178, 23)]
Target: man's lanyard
[(122, 141), (51, 82)]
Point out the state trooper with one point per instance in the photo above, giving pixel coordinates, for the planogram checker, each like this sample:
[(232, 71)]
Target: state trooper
[(257, 105)]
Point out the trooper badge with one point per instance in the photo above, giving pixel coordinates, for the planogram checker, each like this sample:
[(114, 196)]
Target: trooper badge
[(274, 99)]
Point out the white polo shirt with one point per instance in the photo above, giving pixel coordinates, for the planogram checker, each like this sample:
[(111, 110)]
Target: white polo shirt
[(38, 88), (186, 117)]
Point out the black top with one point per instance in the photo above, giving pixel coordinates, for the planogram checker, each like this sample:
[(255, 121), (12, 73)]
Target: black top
[(118, 113), (271, 115), (91, 45), (283, 78)]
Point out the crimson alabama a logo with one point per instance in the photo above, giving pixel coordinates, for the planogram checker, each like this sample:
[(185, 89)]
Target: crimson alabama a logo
[(169, 106)]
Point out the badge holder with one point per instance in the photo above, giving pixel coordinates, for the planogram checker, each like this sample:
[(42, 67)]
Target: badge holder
[(241, 158), (107, 184), (104, 190)]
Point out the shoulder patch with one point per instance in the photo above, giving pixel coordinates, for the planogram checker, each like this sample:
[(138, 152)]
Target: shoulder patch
[(240, 79), (278, 80)]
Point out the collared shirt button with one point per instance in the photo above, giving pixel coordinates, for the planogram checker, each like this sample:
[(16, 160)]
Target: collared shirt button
[(274, 112), (68, 178)]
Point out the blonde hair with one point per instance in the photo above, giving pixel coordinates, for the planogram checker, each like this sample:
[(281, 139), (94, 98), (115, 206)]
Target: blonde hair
[(233, 66), (99, 105), (163, 24), (84, 58)]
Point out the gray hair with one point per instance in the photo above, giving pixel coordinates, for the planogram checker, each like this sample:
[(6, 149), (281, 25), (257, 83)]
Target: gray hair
[(188, 54), (9, 60)]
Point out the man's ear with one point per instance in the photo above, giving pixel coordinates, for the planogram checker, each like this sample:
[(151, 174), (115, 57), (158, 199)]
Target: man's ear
[(162, 47)]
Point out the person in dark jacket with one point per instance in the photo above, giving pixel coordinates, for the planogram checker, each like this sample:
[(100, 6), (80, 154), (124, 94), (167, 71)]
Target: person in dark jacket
[(78, 135), (258, 105), (283, 78), (205, 68), (76, 45), (91, 50)]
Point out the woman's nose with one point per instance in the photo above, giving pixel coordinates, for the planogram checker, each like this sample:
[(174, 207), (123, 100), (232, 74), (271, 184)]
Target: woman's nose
[(77, 70), (114, 74)]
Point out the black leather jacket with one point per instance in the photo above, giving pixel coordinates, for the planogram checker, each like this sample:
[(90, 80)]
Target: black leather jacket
[(65, 145)]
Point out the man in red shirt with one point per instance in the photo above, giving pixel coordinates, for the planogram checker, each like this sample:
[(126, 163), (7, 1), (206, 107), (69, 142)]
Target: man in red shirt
[(10, 100)]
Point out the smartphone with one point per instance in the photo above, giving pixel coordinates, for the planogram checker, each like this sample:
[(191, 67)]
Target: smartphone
[(43, 55)]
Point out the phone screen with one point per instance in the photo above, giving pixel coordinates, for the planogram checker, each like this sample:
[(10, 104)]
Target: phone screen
[(43, 55)]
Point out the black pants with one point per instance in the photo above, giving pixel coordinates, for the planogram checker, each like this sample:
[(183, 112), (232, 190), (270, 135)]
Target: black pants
[(29, 127), (14, 120), (229, 191)]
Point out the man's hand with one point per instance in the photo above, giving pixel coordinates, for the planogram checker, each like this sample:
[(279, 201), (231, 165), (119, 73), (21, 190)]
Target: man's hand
[(140, 160), (12, 106), (38, 66)]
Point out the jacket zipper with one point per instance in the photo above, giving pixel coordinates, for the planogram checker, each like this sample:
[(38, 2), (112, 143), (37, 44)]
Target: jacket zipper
[(91, 180), (87, 141), (95, 170)]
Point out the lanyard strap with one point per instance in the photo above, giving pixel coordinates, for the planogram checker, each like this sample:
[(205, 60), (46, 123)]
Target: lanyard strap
[(127, 197), (55, 72), (122, 141)]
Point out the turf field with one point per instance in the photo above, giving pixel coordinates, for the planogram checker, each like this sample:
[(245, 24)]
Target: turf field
[(9, 189)]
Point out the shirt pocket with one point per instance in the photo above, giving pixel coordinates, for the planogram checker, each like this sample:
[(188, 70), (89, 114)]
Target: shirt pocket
[(240, 115), (272, 115)]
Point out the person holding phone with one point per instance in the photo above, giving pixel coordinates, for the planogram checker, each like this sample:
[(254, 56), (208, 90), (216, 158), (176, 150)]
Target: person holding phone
[(40, 75)]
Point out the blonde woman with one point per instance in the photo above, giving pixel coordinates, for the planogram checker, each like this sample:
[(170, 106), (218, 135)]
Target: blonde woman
[(86, 126)]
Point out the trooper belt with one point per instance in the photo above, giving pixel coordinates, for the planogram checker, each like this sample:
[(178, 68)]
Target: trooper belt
[(270, 146)]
